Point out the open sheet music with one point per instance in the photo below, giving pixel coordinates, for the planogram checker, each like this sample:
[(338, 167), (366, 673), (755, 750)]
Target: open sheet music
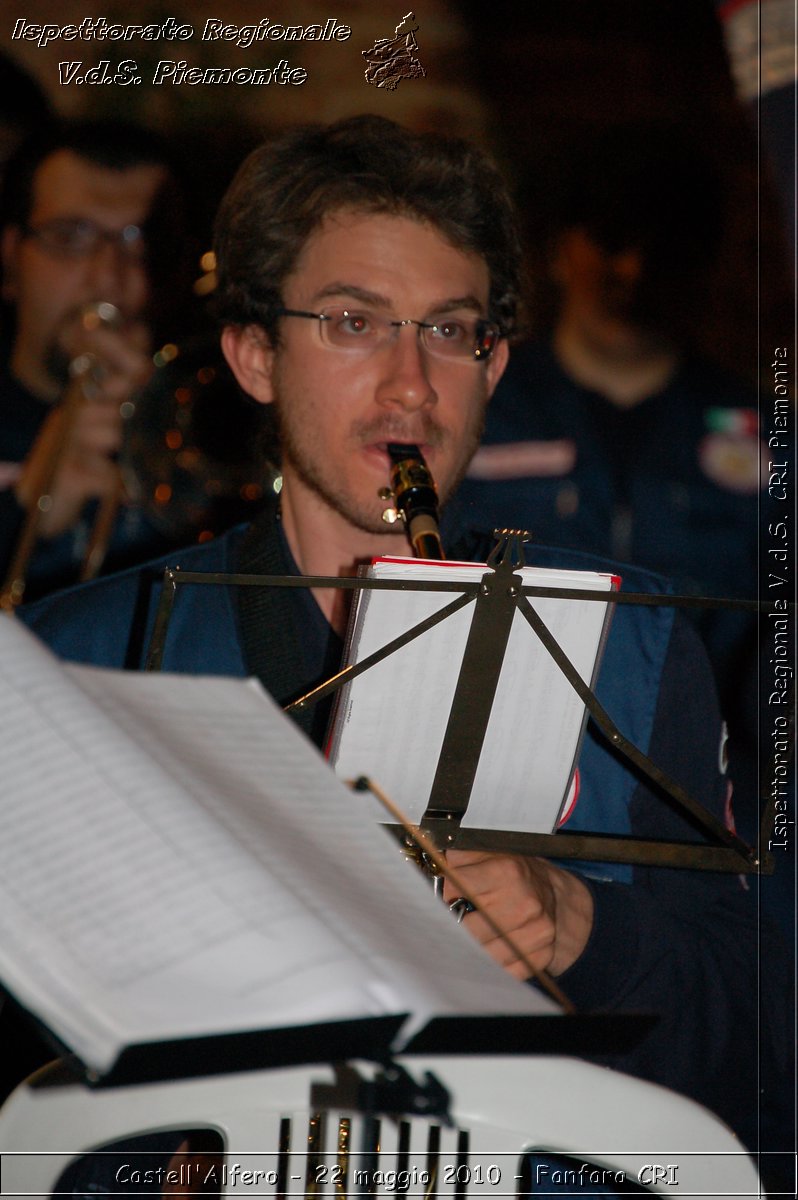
[(390, 721), (177, 860)]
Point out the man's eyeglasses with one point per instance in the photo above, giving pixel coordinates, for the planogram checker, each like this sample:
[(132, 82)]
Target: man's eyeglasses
[(78, 238), (362, 330)]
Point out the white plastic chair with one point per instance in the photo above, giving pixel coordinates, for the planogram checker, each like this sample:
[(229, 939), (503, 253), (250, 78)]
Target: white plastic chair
[(296, 1131)]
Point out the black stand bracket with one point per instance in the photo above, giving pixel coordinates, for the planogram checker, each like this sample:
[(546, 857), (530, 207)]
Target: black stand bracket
[(496, 597)]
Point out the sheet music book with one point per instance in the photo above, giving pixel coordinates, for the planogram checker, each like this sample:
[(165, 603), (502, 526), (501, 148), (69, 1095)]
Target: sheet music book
[(390, 721), (177, 860)]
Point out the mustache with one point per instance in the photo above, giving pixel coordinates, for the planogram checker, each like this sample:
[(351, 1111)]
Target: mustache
[(422, 430)]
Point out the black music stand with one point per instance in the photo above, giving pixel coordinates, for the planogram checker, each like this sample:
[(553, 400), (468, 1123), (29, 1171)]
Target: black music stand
[(496, 597)]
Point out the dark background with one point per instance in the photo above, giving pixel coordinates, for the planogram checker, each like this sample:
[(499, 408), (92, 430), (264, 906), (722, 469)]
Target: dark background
[(524, 80)]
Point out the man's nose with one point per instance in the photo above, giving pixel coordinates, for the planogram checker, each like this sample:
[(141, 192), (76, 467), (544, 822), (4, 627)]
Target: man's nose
[(405, 378), (109, 269)]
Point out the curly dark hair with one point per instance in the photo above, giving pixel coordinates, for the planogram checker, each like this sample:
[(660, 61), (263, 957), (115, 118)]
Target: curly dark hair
[(286, 187)]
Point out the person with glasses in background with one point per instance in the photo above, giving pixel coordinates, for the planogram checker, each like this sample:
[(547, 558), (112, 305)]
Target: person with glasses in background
[(90, 224)]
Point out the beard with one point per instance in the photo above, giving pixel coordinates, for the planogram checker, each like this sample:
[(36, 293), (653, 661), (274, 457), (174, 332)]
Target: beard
[(305, 454)]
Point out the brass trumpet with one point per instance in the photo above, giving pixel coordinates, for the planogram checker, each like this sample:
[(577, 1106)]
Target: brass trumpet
[(195, 459), (85, 373)]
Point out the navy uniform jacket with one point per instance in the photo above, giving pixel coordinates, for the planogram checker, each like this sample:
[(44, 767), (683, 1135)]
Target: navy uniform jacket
[(672, 484), (682, 944)]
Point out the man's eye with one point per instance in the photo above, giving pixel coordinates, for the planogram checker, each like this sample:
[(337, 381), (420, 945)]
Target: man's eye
[(451, 331), (356, 324), (69, 235)]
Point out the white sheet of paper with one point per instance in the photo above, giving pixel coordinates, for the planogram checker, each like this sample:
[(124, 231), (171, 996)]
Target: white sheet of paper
[(393, 717), (177, 859)]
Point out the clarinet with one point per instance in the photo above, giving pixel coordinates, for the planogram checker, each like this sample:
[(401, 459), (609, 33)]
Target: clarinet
[(415, 500)]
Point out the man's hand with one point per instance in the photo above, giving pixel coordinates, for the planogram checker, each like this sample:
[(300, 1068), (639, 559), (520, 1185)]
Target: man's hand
[(548, 912), (87, 425)]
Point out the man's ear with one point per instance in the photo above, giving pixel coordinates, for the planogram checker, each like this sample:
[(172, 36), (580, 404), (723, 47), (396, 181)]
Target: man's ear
[(496, 364), (9, 247), (250, 357)]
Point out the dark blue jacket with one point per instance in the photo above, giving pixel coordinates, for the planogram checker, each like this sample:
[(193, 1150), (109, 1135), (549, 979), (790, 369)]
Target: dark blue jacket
[(110, 625), (673, 484)]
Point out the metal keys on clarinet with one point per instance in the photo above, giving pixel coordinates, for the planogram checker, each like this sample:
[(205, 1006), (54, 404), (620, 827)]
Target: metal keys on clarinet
[(415, 500)]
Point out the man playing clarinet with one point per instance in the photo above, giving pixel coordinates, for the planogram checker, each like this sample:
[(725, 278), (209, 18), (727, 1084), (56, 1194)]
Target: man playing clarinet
[(368, 283)]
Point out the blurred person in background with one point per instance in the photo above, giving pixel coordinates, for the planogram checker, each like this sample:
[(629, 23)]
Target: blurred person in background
[(92, 230), (609, 433), (24, 108)]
